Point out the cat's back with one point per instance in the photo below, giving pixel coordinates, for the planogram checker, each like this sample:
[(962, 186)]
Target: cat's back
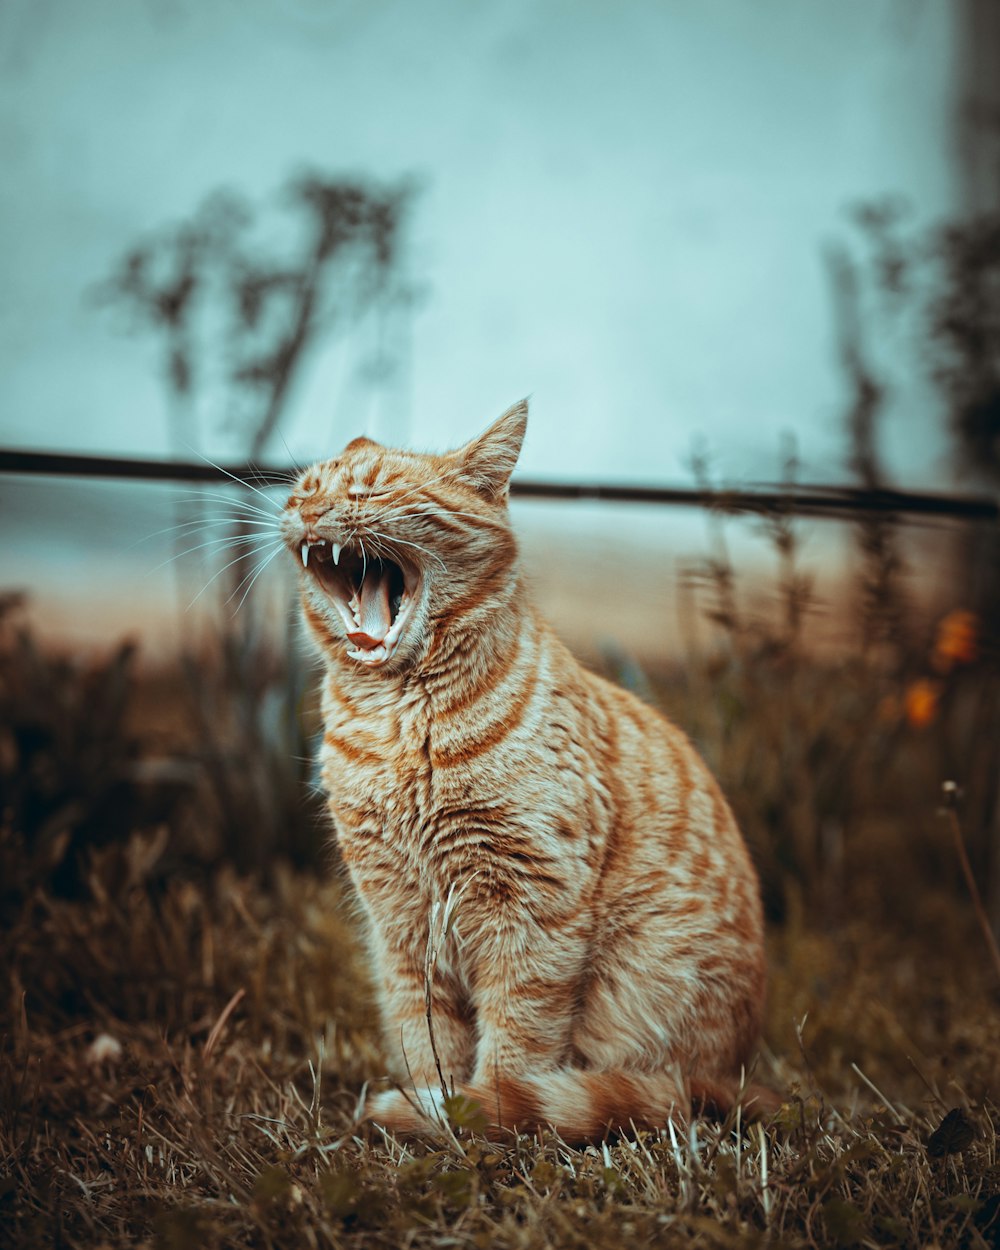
[(648, 764), (678, 901), (672, 832)]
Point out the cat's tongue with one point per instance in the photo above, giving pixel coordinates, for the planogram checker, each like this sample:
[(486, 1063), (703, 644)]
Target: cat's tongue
[(376, 616)]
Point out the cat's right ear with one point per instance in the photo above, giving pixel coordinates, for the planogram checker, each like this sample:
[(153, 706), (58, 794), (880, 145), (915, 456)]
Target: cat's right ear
[(488, 461)]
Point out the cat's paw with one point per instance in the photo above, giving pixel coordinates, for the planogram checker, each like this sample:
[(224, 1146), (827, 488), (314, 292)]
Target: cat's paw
[(419, 1111)]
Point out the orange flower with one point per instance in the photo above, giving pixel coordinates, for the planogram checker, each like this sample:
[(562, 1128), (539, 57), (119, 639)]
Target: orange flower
[(957, 640), (921, 702)]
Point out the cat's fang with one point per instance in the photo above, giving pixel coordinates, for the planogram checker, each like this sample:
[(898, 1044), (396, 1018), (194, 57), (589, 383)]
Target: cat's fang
[(305, 555), (335, 548)]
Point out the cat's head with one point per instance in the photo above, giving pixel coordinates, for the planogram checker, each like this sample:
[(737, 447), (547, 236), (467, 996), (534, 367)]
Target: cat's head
[(393, 545)]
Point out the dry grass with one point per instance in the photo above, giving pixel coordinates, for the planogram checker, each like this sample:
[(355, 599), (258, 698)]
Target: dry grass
[(227, 1116), (184, 1047)]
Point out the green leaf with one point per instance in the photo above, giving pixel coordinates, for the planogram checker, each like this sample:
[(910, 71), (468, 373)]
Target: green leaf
[(465, 1113), (457, 1187), (613, 1182)]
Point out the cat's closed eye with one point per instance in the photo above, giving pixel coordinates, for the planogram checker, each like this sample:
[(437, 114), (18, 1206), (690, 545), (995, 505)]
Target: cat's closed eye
[(358, 491)]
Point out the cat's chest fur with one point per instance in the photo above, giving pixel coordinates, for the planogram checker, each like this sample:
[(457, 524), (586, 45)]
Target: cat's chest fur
[(424, 800), (386, 793), (376, 767)]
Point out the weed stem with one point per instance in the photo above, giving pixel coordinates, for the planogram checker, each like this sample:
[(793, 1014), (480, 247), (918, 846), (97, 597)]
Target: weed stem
[(951, 811)]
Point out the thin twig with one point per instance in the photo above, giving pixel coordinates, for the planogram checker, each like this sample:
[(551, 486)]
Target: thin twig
[(951, 811), (220, 1024)]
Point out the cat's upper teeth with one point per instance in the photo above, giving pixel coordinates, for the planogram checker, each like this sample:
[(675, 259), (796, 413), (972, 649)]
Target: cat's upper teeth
[(306, 547)]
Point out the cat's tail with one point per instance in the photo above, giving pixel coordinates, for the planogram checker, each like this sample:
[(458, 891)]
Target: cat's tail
[(581, 1105)]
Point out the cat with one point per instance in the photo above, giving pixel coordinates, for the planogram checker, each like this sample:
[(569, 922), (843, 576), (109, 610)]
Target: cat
[(590, 908)]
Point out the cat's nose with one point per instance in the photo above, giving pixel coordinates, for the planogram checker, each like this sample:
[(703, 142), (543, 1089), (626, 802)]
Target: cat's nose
[(313, 512)]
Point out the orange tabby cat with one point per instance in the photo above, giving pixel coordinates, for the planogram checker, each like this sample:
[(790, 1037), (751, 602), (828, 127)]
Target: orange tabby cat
[(601, 962)]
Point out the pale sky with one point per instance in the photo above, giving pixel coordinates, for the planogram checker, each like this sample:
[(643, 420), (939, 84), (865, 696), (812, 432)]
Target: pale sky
[(622, 213)]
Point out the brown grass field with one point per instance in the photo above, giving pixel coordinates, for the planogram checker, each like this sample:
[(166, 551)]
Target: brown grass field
[(187, 1028)]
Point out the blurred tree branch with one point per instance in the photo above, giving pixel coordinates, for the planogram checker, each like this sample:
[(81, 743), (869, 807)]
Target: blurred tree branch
[(947, 279), (211, 291), (883, 607)]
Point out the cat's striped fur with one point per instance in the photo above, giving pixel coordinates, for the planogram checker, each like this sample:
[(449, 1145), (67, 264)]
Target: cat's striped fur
[(603, 963)]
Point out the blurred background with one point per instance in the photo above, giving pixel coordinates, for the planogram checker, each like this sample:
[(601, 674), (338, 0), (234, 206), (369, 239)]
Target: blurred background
[(744, 256), (744, 252)]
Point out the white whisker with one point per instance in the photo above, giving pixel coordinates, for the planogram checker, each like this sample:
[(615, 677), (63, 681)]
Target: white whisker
[(278, 545), (224, 540), (232, 502), (204, 523), (299, 470), (219, 469), (260, 569), (257, 475)]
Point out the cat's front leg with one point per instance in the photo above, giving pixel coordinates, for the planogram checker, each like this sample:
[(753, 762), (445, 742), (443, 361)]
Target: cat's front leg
[(527, 979), (417, 1042)]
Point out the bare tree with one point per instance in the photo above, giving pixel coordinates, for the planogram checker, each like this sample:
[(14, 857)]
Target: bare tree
[(238, 316), (238, 319)]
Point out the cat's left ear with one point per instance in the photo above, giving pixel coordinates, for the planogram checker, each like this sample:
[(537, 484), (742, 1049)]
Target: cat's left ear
[(488, 461)]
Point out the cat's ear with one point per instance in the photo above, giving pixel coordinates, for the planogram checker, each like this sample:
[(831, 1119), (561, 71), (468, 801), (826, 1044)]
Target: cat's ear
[(488, 461)]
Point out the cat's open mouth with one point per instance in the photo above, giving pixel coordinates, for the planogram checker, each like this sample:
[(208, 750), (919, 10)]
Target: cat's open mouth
[(374, 596)]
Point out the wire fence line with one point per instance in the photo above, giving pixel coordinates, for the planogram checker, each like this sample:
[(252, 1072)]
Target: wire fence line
[(843, 502)]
